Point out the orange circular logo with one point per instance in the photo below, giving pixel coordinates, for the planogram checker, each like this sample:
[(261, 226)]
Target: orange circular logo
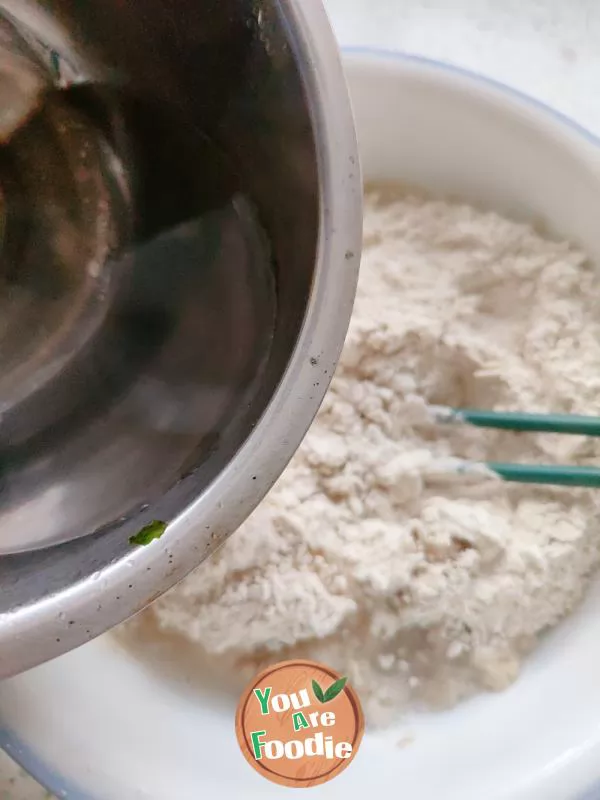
[(299, 723)]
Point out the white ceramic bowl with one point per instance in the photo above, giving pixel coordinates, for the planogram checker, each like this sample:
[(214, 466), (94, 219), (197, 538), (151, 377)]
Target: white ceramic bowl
[(99, 724)]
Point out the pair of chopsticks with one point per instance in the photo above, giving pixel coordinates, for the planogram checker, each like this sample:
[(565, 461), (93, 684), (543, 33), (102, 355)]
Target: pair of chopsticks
[(548, 474)]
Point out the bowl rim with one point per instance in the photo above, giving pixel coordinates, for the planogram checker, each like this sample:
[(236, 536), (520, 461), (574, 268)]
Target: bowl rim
[(25, 757), (356, 53), (34, 633)]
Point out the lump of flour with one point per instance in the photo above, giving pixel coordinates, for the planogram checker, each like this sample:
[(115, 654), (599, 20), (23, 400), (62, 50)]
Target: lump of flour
[(370, 554)]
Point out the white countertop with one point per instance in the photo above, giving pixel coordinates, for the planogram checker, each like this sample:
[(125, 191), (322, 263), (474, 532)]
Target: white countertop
[(547, 48)]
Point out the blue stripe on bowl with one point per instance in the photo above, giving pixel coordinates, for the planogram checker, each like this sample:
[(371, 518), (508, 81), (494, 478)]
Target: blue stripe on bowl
[(44, 775)]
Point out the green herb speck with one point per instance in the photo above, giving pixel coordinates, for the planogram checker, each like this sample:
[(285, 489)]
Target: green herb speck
[(154, 530)]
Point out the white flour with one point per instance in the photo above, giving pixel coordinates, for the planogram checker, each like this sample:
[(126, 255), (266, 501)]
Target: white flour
[(422, 589)]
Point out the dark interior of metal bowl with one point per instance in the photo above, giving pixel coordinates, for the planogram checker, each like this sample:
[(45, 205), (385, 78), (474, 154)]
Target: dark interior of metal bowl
[(202, 117)]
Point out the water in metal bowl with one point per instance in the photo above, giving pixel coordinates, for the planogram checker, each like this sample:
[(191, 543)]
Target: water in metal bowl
[(137, 296), (181, 225)]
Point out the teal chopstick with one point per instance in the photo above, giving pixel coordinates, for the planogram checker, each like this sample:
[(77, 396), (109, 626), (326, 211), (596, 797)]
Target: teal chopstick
[(518, 421), (548, 474)]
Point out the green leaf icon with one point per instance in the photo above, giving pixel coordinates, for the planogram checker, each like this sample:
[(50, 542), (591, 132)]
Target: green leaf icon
[(154, 530), (318, 692), (331, 693), (334, 690)]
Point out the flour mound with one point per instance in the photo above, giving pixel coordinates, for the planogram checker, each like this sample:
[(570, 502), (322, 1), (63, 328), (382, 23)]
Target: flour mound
[(370, 554)]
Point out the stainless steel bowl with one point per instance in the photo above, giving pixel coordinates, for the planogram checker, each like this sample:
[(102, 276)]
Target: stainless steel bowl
[(242, 289)]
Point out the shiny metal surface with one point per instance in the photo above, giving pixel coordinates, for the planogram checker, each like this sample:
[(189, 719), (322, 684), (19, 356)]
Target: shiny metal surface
[(64, 213), (234, 201)]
